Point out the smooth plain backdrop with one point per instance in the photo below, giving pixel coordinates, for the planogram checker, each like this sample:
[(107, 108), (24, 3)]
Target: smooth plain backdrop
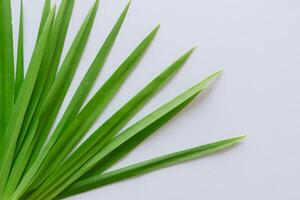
[(257, 42)]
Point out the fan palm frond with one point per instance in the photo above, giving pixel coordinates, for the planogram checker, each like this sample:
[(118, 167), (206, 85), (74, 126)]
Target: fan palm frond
[(37, 163)]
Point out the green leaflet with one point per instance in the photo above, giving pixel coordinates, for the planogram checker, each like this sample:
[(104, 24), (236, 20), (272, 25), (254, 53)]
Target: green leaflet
[(30, 123), (11, 135), (20, 55), (51, 98), (60, 86), (45, 14), (26, 122), (120, 152), (48, 69), (59, 32), (49, 66), (80, 94), (38, 164), (58, 182), (148, 166), (113, 125), (7, 82), (89, 78), (90, 112), (87, 81)]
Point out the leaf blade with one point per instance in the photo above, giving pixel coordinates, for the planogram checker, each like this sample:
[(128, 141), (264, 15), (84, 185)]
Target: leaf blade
[(47, 72), (148, 166), (6, 65), (46, 11), (26, 140), (76, 101), (64, 78), (50, 159), (113, 125), (20, 54), (50, 189), (10, 138), (124, 149), (89, 78)]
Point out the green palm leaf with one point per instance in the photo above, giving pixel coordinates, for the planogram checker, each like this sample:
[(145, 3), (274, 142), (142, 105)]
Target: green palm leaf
[(85, 118), (30, 123), (113, 125), (9, 141), (63, 80), (46, 11), (49, 67), (148, 166), (20, 56), (90, 113), (7, 84), (38, 164), (58, 181)]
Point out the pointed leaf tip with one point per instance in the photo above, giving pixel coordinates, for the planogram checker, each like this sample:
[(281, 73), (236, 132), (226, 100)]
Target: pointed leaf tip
[(216, 74), (126, 9), (157, 28), (153, 33), (193, 48), (189, 52), (96, 4), (236, 140), (207, 81), (241, 138), (128, 5)]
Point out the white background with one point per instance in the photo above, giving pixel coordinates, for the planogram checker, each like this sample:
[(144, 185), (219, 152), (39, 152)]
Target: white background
[(257, 42)]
